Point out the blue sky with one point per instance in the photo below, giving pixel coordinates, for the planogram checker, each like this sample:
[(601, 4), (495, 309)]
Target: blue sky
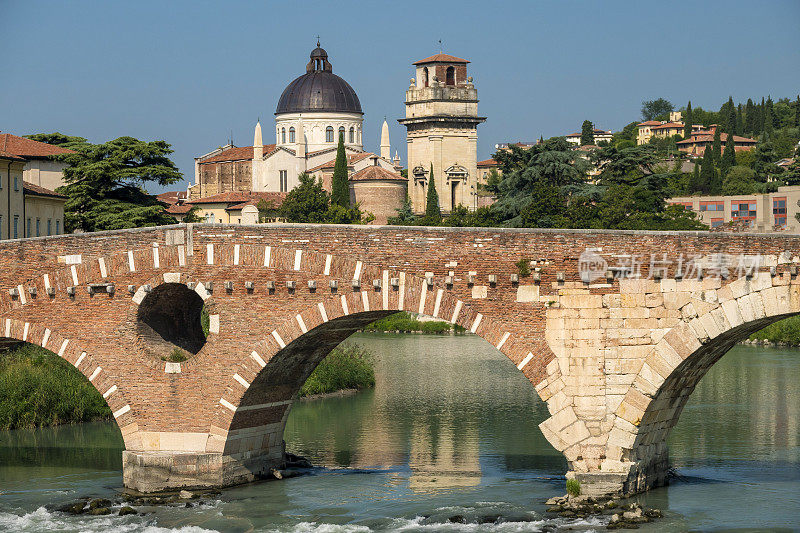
[(192, 72)]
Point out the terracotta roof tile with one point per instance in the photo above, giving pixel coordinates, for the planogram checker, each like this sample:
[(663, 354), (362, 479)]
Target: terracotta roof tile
[(650, 123), (487, 163), (36, 190), (23, 147), (351, 160), (376, 173), (441, 58), (176, 209), (240, 197), (172, 197), (668, 125), (6, 155), (237, 153)]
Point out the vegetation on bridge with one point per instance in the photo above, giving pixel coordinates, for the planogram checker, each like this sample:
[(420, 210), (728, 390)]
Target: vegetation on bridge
[(38, 388), (407, 323), (783, 333)]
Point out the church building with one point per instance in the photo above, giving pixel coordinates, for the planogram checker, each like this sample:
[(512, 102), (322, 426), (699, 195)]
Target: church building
[(314, 110)]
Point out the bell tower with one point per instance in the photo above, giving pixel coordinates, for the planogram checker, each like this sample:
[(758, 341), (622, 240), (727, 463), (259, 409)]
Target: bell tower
[(442, 130)]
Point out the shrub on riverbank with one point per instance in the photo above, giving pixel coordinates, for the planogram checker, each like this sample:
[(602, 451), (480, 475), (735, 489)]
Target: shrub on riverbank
[(38, 388), (786, 331), (348, 366), (406, 322)]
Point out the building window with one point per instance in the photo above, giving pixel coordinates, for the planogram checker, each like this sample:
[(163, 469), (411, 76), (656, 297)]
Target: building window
[(209, 218), (38, 227), (16, 184), (49, 227), (291, 134), (29, 228), (743, 210), (425, 77), (717, 222), (58, 228), (352, 135), (779, 211), (712, 206), (450, 76), (329, 134), (1, 226), (283, 135), (284, 179), (16, 226), (341, 133)]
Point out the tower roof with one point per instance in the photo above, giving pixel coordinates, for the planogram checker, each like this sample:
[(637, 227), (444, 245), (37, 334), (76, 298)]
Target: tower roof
[(441, 58), (319, 89)]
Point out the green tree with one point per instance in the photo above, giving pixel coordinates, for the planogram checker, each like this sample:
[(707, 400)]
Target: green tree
[(708, 174), (750, 117), (729, 116), (760, 113), (433, 215), (740, 180), (792, 174), (192, 216), (266, 210), (768, 124), (405, 215), (696, 184), (307, 202), (340, 194), (797, 112), (739, 121), (687, 121), (587, 133), (655, 109), (774, 123), (729, 156), (716, 147), (105, 183)]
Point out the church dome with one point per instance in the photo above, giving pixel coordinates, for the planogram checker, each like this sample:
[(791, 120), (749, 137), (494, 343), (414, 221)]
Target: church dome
[(319, 89)]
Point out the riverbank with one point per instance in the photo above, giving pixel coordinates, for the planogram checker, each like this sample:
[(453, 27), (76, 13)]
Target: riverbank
[(38, 389), (348, 366), (404, 322), (785, 332)]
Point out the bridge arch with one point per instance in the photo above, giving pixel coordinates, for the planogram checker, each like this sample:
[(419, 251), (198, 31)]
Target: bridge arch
[(672, 368), (251, 414), (104, 380)]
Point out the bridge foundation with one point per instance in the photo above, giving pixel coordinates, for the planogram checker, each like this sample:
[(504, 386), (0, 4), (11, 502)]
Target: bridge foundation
[(148, 471)]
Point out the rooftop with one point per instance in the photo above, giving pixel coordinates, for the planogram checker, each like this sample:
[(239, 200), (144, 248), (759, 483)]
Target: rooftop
[(441, 58), (237, 153), (375, 172), (36, 190), (20, 146), (243, 197)]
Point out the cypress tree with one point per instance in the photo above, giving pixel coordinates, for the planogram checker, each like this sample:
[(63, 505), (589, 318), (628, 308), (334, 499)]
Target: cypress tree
[(716, 150), (775, 122), (587, 133), (739, 120), (729, 156), (749, 117), (760, 118), (708, 174), (694, 184), (433, 214), (768, 118), (340, 193), (730, 116), (687, 121)]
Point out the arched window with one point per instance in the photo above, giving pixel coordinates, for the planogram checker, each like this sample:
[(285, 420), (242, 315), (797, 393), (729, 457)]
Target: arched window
[(352, 135), (329, 134), (451, 76), (291, 134), (341, 133), (283, 135), (425, 77)]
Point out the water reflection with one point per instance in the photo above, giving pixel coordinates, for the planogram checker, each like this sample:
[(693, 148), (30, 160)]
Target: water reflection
[(446, 409)]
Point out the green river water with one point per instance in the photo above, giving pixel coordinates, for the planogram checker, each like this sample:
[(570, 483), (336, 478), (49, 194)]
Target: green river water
[(449, 432)]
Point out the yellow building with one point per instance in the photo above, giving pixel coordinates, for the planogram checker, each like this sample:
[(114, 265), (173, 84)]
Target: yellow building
[(12, 199)]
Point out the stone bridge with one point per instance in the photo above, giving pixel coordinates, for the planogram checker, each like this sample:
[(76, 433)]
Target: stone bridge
[(614, 329)]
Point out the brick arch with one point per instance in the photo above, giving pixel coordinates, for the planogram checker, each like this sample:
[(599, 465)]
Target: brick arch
[(105, 381), (676, 364), (299, 342)]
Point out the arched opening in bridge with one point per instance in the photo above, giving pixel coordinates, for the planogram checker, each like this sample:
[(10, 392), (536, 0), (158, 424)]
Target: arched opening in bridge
[(170, 321), (669, 401), (59, 419), (441, 406)]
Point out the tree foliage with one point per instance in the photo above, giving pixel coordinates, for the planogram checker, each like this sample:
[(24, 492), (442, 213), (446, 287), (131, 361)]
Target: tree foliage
[(587, 133), (340, 194), (105, 183), (433, 213), (658, 109), (310, 202), (687, 121)]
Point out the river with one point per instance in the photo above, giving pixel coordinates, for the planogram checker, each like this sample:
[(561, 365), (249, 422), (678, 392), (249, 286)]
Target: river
[(449, 433)]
